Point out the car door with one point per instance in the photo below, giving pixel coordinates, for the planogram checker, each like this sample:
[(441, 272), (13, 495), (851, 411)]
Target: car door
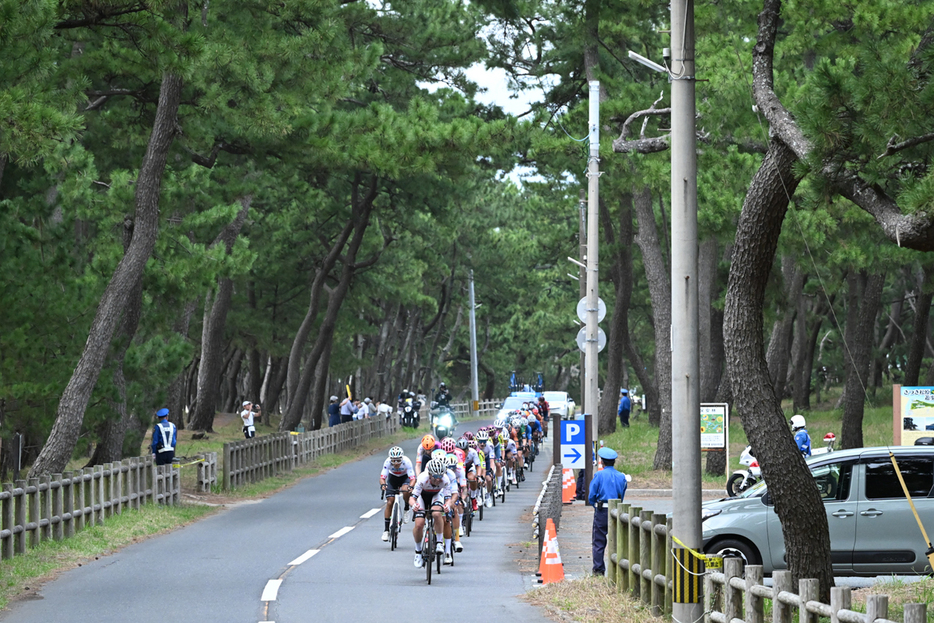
[(835, 482), (888, 539)]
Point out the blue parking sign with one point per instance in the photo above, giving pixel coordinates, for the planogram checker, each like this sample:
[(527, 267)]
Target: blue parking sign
[(573, 442)]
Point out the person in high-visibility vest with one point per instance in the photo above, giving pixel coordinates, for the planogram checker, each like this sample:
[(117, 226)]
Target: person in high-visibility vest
[(164, 438)]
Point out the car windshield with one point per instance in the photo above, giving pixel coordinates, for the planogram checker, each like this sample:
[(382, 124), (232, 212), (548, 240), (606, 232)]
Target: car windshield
[(555, 396), (513, 402)]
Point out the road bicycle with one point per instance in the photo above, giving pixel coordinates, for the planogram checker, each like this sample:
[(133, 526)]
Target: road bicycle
[(430, 558), (520, 472), (501, 486), (468, 512), (396, 516)]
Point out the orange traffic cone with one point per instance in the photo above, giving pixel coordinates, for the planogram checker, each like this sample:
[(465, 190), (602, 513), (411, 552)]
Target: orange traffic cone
[(553, 570), (545, 542), (568, 486)]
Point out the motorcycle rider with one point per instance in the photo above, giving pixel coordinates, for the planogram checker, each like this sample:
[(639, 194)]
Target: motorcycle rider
[(802, 438), (443, 397)]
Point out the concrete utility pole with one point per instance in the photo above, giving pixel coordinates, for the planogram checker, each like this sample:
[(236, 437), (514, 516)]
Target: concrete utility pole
[(591, 393), (685, 363), (474, 376), (582, 272)]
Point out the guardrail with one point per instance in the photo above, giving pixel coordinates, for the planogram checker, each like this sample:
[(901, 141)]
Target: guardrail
[(252, 460), (57, 506), (739, 596), (548, 505)]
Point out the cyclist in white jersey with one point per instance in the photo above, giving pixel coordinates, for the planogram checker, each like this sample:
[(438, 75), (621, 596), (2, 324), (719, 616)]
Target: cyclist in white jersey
[(471, 462), (397, 476), (432, 493), (454, 529)]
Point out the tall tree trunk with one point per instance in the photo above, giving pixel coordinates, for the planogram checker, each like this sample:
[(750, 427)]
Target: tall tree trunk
[(791, 486), (110, 447), (779, 351), (621, 273), (919, 333), (176, 398), (276, 382), (321, 386), (893, 330), (304, 330), (212, 335), (710, 331), (362, 207), (64, 435), (657, 274), (865, 297), (231, 374)]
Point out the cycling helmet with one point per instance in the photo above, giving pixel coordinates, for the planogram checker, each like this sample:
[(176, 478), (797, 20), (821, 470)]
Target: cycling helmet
[(473, 444), (468, 436), (463, 444), (436, 468), (428, 442), (411, 394), (448, 445), (524, 421), (438, 454), (483, 436), (499, 423), (797, 422), (395, 452), (450, 460)]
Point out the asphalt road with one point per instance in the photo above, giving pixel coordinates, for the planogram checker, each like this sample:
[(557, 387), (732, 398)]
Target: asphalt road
[(310, 553)]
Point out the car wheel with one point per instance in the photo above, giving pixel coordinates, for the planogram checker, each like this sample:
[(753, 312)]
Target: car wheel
[(734, 548)]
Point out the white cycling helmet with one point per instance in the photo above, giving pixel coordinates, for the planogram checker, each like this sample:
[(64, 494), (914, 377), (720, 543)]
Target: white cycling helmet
[(482, 435), (451, 460), (797, 422), (438, 454), (396, 452), (436, 468)]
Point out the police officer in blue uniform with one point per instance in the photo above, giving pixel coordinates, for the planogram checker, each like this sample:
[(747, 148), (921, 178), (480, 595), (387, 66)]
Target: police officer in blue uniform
[(164, 439), (607, 484)]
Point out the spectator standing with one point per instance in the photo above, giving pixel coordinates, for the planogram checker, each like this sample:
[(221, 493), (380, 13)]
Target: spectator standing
[(164, 439), (334, 412), (607, 484), (625, 406), (370, 407), (348, 409), (384, 409), (249, 430)]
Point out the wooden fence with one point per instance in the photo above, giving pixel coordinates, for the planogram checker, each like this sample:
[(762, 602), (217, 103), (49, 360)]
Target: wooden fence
[(639, 560), (58, 506), (729, 597), (252, 460), (486, 407)]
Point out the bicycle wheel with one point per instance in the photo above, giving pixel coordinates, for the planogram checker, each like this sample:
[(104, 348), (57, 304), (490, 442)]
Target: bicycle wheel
[(395, 522), (429, 562), (503, 488), (481, 499), (468, 522)]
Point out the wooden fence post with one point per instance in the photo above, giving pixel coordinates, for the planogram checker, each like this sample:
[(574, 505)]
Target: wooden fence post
[(57, 531), (46, 507), (808, 590), (82, 499), (781, 582), (6, 549), (19, 517), (877, 607), (68, 509), (609, 554), (915, 613), (226, 467), (755, 607), (645, 555), (658, 564), (841, 599), (33, 511), (634, 549), (732, 597), (713, 591), (622, 547)]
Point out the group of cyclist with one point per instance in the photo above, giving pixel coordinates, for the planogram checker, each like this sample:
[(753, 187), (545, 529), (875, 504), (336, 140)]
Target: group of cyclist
[(449, 474)]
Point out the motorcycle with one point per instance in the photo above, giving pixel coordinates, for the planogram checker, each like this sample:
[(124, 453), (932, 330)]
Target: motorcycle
[(410, 415), (443, 423), (744, 479)]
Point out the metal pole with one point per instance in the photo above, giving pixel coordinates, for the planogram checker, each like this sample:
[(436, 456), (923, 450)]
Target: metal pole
[(474, 376), (588, 454), (593, 238), (582, 272), (685, 363)]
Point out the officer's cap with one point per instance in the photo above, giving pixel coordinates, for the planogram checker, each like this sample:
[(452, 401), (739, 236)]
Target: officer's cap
[(162, 412), (624, 391), (607, 453)]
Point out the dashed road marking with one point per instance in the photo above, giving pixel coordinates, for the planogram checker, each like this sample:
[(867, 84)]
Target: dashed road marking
[(304, 557), (369, 514), (271, 590), (341, 532)]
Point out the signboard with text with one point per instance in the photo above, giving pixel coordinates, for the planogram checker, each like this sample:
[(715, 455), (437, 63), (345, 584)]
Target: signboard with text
[(714, 420), (915, 419), (573, 443)]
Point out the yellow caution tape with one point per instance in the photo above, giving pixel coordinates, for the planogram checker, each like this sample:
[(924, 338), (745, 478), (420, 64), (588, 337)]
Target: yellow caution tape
[(710, 561), (180, 465)]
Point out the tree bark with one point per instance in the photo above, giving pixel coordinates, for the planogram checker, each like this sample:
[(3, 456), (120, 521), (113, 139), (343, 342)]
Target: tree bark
[(865, 298), (779, 351), (64, 435), (212, 335), (919, 333), (797, 500), (892, 332)]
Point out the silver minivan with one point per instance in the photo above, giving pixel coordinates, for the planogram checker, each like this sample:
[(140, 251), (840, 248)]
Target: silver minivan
[(872, 528)]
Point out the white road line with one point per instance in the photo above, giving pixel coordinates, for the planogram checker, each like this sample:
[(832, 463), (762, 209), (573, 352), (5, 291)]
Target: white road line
[(272, 588), (341, 532), (304, 557), (369, 514)]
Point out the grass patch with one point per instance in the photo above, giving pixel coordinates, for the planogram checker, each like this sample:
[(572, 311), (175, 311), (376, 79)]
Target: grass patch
[(588, 600), (22, 575)]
